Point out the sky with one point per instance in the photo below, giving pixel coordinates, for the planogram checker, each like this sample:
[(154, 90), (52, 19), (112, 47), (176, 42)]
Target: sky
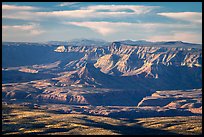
[(110, 21)]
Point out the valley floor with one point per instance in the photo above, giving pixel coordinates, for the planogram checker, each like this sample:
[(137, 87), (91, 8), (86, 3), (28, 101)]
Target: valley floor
[(19, 119)]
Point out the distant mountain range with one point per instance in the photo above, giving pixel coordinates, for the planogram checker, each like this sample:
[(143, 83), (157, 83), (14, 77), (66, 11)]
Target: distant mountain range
[(98, 42), (81, 42), (160, 44)]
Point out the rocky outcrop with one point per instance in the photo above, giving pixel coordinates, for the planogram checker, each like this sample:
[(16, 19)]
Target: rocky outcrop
[(60, 49), (125, 60), (190, 100), (135, 60)]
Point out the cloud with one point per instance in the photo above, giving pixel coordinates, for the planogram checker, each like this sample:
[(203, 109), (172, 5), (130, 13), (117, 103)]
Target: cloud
[(97, 11), (128, 9), (107, 28), (21, 15), (100, 20), (89, 12), (28, 29), (103, 28), (67, 4), (148, 31), (195, 17), (14, 7), (19, 12), (67, 14)]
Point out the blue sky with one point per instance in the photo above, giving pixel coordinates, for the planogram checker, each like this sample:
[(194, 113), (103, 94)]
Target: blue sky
[(110, 21)]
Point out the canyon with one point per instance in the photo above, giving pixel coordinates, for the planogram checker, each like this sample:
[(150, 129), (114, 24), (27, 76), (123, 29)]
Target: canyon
[(122, 79)]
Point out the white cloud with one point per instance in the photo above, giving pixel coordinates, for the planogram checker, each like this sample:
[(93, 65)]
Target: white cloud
[(28, 29), (93, 12), (128, 9), (19, 12), (148, 31), (97, 11), (23, 15), (106, 28), (185, 16), (67, 4), (67, 14), (103, 28), (14, 7)]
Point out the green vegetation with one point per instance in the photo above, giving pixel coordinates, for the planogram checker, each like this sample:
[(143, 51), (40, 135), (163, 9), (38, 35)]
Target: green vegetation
[(191, 125), (23, 120)]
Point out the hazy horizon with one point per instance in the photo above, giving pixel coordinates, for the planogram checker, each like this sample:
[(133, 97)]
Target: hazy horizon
[(96, 40)]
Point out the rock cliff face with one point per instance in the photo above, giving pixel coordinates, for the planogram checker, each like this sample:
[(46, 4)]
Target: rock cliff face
[(166, 62), (118, 59), (135, 60), (130, 72), (188, 99), (161, 64)]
